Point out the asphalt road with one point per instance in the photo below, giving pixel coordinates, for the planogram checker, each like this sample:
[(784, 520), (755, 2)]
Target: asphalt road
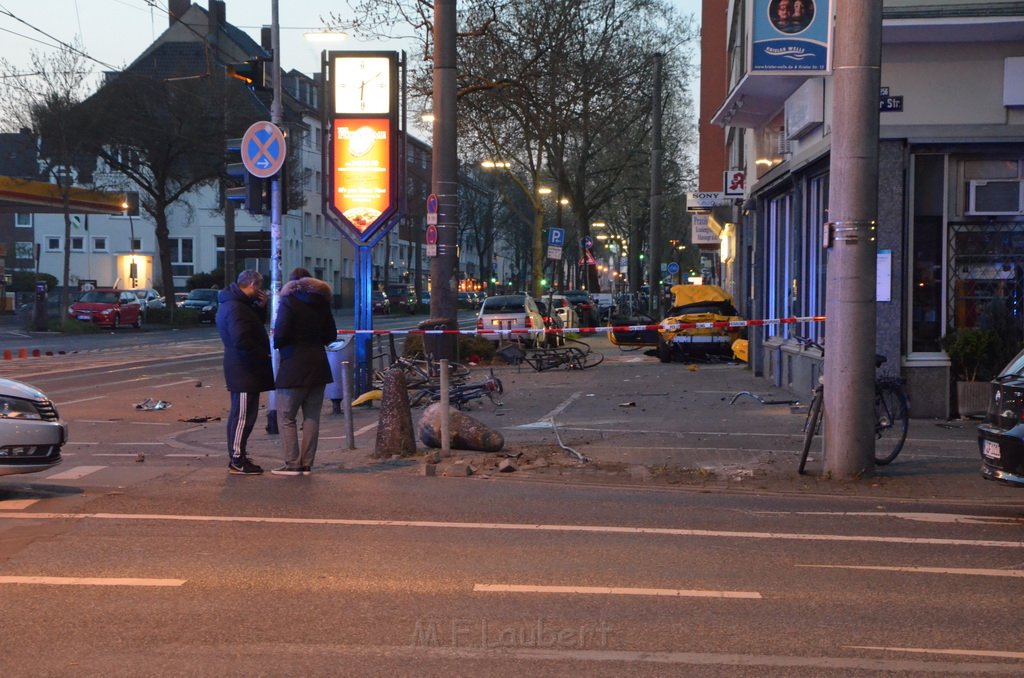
[(141, 556)]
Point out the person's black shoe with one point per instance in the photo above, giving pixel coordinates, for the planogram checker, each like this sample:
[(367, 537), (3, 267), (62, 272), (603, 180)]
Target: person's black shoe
[(307, 470), (288, 471), (244, 468)]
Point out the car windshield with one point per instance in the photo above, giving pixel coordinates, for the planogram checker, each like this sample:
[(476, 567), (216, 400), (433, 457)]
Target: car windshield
[(1016, 366), (203, 295), (577, 297), (504, 305), (95, 297)]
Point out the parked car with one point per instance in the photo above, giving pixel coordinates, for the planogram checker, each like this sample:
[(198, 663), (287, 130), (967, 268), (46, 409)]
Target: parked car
[(107, 307), (402, 298), (466, 300), (509, 312), (149, 298), (585, 306), (379, 303), (31, 431), (698, 304), (605, 305), (204, 301), (1001, 437), (179, 298), (553, 335)]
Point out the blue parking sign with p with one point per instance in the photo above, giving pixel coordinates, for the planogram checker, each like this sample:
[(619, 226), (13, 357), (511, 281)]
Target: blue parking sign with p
[(556, 237)]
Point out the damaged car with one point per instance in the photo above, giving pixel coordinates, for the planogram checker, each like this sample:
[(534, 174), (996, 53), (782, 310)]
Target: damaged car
[(708, 306)]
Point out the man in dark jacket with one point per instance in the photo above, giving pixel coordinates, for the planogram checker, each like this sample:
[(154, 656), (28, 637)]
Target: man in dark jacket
[(248, 371), (304, 325)]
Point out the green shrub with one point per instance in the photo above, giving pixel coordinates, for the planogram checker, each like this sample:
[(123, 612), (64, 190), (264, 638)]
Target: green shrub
[(469, 345), (968, 349), (72, 326)]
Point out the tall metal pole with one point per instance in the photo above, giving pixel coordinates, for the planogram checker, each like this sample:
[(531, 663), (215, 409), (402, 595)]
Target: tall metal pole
[(654, 253), (276, 116), (444, 172), (853, 207)]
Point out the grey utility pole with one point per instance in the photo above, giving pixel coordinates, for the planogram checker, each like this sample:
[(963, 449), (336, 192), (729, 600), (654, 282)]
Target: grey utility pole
[(853, 208), (654, 249), (276, 116), (444, 175)]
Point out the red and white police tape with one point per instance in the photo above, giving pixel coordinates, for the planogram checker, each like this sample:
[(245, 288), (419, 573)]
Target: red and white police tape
[(672, 327)]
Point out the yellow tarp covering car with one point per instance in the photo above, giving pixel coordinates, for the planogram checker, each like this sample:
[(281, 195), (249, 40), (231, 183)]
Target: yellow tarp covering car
[(698, 304)]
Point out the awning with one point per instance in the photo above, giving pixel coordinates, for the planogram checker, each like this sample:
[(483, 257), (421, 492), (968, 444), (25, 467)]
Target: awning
[(25, 195)]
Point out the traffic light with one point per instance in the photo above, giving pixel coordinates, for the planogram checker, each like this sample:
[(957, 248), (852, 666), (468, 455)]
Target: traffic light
[(242, 186), (254, 72)]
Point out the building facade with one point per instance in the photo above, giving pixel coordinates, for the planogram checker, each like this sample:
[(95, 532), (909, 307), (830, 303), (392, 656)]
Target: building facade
[(950, 235)]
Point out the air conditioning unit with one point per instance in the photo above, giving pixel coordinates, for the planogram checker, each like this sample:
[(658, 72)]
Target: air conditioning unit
[(997, 196)]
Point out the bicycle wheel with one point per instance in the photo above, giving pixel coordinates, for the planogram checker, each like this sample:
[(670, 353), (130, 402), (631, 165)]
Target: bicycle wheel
[(892, 419), (811, 425)]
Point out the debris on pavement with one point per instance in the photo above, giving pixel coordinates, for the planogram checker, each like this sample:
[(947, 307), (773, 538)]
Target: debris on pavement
[(149, 404)]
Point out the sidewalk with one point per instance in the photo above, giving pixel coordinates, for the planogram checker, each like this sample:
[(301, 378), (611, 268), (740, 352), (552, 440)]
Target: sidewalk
[(644, 423)]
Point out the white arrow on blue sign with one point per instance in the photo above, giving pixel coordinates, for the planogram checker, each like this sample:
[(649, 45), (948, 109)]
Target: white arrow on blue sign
[(263, 149), (673, 268), (556, 237)]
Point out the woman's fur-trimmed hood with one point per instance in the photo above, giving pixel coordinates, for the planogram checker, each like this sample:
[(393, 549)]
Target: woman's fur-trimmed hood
[(309, 286)]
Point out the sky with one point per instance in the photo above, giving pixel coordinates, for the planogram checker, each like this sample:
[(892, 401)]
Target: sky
[(115, 32)]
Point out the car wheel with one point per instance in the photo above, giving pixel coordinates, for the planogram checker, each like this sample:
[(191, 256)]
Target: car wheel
[(116, 322), (138, 322)]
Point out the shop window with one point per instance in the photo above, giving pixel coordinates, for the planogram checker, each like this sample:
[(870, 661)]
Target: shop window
[(926, 245), (780, 257)]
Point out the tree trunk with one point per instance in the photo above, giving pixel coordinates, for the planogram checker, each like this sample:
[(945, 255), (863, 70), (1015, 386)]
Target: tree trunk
[(164, 246)]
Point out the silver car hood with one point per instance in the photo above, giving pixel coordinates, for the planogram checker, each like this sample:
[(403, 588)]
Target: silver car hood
[(20, 390)]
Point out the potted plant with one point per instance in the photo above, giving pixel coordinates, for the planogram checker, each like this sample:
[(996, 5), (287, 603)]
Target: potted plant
[(968, 349)]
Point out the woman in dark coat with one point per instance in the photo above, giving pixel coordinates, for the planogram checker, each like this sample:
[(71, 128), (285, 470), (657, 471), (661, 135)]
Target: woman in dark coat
[(304, 326), (248, 371)]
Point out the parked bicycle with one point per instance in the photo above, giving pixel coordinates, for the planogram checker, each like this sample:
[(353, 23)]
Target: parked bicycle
[(892, 412)]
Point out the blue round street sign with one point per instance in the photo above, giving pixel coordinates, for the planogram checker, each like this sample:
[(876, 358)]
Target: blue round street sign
[(263, 149), (673, 268)]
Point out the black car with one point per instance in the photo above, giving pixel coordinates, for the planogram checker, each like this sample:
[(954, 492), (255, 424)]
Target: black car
[(586, 307), (1001, 437), (204, 301)]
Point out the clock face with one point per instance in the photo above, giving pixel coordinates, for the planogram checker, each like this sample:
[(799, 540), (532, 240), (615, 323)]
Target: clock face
[(362, 85)]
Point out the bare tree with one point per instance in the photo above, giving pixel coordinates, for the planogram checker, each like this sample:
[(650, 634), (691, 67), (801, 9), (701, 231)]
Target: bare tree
[(45, 102), (560, 89), (167, 138)]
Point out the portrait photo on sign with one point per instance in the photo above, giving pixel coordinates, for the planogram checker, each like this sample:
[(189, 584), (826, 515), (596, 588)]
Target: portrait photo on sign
[(791, 16)]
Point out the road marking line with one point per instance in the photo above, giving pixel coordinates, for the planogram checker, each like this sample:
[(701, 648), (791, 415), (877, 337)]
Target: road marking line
[(75, 473), (115, 454), (368, 427), (980, 572), (120, 422), (16, 504), (584, 529), (91, 581), (614, 591), (550, 416), (953, 518), (63, 403), (953, 651), (190, 456)]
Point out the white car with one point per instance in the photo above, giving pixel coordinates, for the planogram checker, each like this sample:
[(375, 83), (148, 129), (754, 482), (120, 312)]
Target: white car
[(511, 317), (149, 298), (563, 309), (31, 431)]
